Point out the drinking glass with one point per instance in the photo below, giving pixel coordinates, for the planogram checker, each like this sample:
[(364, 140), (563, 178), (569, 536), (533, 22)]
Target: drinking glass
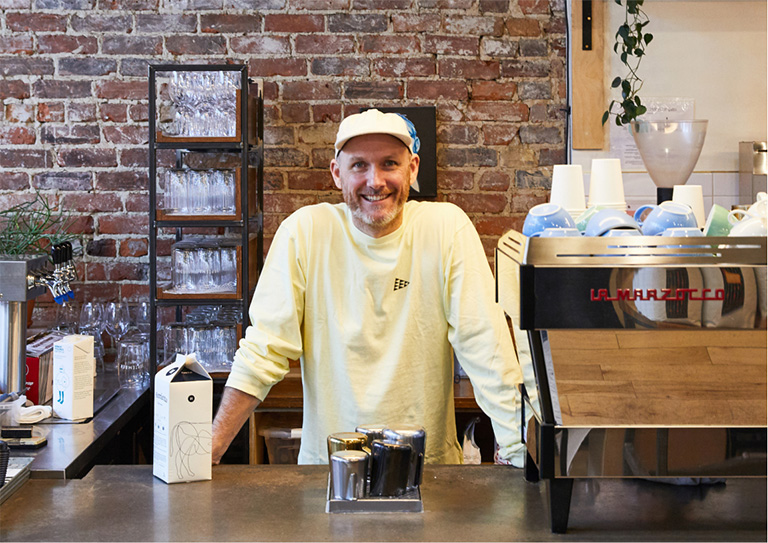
[(91, 323), (118, 320), (142, 318), (67, 317), (132, 355)]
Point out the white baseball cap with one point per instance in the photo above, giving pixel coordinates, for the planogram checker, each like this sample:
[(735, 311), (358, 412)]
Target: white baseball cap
[(373, 121)]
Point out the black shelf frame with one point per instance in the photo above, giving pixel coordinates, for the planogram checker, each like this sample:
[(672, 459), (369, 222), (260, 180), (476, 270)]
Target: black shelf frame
[(251, 156)]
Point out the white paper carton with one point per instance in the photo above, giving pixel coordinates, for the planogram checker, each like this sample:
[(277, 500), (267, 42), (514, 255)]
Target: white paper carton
[(73, 377), (183, 421)]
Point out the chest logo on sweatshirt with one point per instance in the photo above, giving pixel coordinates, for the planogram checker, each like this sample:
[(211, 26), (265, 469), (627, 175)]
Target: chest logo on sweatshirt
[(401, 283)]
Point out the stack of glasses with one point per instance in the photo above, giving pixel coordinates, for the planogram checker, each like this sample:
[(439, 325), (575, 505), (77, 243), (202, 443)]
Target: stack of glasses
[(204, 266), (204, 104), (196, 192), (209, 333)]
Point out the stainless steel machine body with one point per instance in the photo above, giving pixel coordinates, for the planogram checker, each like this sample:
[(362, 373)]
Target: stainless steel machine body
[(753, 167)]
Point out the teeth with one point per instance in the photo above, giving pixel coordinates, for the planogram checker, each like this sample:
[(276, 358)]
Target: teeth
[(374, 197)]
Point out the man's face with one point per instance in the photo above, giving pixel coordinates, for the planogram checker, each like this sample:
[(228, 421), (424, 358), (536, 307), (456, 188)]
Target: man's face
[(374, 173)]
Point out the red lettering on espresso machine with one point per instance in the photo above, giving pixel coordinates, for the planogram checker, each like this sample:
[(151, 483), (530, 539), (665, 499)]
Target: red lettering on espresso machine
[(661, 295)]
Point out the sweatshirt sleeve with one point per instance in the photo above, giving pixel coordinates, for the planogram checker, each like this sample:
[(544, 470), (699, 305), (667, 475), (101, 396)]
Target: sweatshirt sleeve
[(482, 341), (276, 313)]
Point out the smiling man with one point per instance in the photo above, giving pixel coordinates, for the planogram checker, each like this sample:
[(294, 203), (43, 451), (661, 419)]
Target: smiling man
[(374, 296)]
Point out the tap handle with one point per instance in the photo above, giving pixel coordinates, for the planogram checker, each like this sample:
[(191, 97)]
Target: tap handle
[(68, 249), (56, 254)]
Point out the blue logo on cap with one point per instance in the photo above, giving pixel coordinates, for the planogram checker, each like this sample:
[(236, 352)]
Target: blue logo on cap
[(411, 132)]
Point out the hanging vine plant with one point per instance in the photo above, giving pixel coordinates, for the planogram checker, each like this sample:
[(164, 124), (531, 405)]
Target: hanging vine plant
[(631, 41)]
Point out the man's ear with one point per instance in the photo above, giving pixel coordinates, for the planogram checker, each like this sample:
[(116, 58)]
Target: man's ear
[(414, 166), (335, 173)]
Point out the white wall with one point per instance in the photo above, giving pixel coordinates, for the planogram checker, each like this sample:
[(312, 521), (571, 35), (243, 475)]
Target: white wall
[(715, 52)]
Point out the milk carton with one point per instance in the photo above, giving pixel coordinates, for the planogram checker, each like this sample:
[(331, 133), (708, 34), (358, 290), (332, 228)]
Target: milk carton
[(183, 414), (73, 377)]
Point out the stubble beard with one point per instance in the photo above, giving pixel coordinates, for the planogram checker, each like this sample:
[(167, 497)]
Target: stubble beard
[(353, 202)]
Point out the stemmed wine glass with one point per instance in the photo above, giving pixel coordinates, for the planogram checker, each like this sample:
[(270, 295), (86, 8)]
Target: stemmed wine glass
[(117, 319), (91, 322)]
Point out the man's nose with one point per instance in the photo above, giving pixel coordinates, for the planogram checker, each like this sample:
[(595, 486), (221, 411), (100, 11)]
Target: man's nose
[(377, 178)]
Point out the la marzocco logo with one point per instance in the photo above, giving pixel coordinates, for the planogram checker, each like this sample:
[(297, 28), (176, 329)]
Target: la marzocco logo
[(661, 295)]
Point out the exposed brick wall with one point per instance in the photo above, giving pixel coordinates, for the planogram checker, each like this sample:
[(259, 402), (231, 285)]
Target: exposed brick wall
[(74, 90)]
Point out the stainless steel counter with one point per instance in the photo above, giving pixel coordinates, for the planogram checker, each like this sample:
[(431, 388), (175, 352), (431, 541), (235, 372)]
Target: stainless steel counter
[(72, 447), (287, 503)]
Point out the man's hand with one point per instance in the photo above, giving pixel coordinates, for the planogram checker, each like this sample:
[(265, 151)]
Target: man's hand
[(235, 408)]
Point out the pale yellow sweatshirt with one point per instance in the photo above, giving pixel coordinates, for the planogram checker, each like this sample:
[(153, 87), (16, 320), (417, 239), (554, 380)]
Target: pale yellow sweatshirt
[(374, 322)]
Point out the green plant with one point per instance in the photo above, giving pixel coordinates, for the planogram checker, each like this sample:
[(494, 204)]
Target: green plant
[(33, 227), (631, 41)]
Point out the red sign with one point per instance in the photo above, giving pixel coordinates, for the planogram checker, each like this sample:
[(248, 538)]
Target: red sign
[(661, 295)]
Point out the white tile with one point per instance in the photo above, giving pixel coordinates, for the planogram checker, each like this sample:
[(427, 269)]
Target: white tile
[(725, 201), (639, 184), (726, 184), (704, 179)]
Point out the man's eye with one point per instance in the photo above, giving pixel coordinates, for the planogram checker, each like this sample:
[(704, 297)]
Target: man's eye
[(359, 164)]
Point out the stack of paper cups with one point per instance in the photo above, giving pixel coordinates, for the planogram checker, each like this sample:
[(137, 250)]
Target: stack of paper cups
[(568, 188), (606, 186), (693, 196)]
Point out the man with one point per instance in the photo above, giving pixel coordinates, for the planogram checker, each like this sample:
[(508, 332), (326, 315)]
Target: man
[(373, 295)]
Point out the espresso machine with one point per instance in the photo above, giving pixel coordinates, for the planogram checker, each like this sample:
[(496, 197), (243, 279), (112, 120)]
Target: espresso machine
[(23, 278)]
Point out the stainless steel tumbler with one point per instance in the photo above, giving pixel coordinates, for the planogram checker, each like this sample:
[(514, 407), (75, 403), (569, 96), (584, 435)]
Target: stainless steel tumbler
[(372, 432), (344, 441), (415, 436), (390, 469), (348, 474)]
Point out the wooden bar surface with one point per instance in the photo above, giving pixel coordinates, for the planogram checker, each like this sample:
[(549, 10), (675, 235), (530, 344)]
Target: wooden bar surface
[(661, 378)]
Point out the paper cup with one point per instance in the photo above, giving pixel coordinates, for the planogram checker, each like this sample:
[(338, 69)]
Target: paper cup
[(606, 186), (693, 196), (568, 188)]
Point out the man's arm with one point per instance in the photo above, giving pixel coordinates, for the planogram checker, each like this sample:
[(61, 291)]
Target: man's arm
[(235, 408)]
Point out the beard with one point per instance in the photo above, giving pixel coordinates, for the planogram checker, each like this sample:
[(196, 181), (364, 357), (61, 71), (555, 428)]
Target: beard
[(376, 220)]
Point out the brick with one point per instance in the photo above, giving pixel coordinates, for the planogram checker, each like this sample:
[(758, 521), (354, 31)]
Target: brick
[(538, 113), (446, 4), (499, 133), (285, 157), (25, 66), (139, 113), (36, 22), (13, 88), (14, 181), (468, 68), (322, 113), (287, 203), (128, 223), (25, 158), (97, 292), (16, 135), (310, 180), (65, 4), (373, 90), (84, 157), (137, 202), (90, 202), (295, 113), (261, 45), (121, 90), (494, 225), (279, 135), (134, 67), (59, 180), (139, 157), (113, 112), (311, 90), (133, 292), (129, 5), (451, 45), (340, 66), (558, 45), (122, 180), (151, 23), (15, 4), (255, 5), (534, 90), (494, 47), (441, 89), (196, 45), (478, 203), (133, 45), (321, 158), (273, 180), (473, 26), (525, 68), (126, 271), (192, 5), (534, 7), (532, 180), (540, 134), (492, 90), (494, 6), (523, 26), (280, 22), (494, 111), (533, 48), (318, 135), (78, 112), (129, 134), (230, 23), (52, 88), (380, 4), (455, 180), (404, 67), (70, 134), (416, 22), (462, 157), (87, 66), (134, 247), (16, 45), (320, 5), (62, 43), (494, 181), (555, 24), (101, 247), (14, 198), (391, 44), (345, 22), (50, 112), (458, 134), (323, 44), (277, 67), (20, 112), (103, 23)]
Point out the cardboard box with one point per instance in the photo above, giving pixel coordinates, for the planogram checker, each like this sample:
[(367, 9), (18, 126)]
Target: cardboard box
[(183, 422), (73, 377), (39, 379)]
